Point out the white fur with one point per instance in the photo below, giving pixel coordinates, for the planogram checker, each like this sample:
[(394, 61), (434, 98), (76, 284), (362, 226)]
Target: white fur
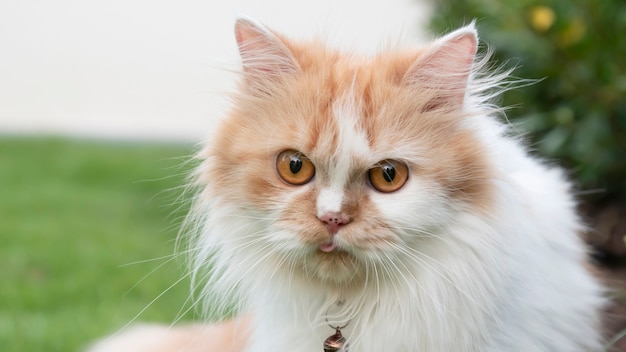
[(513, 281), (329, 200), (353, 143)]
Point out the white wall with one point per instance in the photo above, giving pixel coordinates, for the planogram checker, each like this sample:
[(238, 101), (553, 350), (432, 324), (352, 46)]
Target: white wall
[(155, 69)]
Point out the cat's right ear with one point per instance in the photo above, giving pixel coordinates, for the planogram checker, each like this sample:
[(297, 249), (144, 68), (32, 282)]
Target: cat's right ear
[(265, 57)]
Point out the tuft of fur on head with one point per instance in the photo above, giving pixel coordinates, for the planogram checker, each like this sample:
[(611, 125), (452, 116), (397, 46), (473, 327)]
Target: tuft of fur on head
[(443, 245)]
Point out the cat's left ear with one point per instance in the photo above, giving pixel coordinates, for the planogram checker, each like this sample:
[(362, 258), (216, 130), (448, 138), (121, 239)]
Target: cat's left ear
[(265, 57), (446, 65)]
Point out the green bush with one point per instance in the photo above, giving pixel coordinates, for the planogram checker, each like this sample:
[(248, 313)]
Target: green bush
[(576, 112)]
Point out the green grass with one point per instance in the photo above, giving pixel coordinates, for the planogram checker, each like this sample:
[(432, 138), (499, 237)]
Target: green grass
[(74, 217)]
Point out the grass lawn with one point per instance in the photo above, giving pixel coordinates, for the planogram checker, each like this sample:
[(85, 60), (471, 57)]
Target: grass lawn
[(87, 233)]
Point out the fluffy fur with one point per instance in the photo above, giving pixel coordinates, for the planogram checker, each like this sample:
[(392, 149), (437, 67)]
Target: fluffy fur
[(478, 251)]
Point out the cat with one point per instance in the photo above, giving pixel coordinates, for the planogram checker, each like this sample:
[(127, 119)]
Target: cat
[(380, 198)]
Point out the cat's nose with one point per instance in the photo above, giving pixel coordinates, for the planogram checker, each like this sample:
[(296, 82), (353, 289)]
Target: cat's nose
[(334, 221)]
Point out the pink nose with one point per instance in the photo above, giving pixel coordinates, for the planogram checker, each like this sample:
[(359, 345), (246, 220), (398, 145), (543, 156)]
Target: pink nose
[(334, 221)]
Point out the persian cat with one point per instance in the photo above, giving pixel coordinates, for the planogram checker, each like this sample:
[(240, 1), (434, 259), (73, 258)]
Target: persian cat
[(377, 203)]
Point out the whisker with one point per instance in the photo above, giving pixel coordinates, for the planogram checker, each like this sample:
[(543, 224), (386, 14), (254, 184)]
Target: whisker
[(132, 320)]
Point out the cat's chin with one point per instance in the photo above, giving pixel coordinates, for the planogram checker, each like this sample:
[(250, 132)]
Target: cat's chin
[(336, 267)]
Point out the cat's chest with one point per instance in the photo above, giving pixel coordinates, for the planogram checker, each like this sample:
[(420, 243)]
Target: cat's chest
[(303, 337)]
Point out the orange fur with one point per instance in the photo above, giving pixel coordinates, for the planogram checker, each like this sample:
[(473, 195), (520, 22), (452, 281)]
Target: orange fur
[(229, 336), (298, 114), (295, 111)]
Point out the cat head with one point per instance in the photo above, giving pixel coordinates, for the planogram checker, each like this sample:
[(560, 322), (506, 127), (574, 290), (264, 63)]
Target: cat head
[(344, 163)]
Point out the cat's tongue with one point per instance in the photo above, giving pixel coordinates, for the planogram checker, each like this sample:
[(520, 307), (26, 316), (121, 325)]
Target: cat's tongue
[(328, 247)]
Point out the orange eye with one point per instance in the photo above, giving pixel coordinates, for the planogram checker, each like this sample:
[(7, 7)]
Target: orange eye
[(294, 168), (388, 175)]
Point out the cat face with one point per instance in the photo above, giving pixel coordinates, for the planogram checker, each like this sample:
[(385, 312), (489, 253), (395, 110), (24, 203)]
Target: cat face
[(348, 164)]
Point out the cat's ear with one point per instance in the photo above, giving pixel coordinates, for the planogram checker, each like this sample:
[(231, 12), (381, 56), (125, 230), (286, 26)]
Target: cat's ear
[(265, 57), (446, 66)]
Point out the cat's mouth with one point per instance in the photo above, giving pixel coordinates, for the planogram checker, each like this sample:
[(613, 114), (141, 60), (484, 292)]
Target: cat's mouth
[(328, 246)]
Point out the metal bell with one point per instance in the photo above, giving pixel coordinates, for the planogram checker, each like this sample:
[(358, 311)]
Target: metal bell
[(335, 342)]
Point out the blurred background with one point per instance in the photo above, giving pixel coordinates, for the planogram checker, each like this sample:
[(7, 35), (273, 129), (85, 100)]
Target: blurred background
[(102, 104)]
